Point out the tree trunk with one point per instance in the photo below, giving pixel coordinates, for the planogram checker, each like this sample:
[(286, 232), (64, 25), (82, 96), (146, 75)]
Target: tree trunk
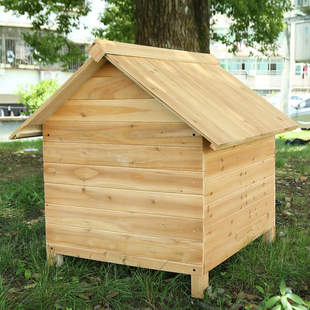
[(175, 24)]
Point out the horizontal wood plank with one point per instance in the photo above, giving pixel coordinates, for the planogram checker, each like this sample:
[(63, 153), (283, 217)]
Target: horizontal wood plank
[(220, 162), (235, 222), (214, 256), (117, 110), (180, 205), (169, 181), (116, 87), (126, 244), (221, 208), (150, 157), (169, 134), (125, 222), (118, 258), (221, 186)]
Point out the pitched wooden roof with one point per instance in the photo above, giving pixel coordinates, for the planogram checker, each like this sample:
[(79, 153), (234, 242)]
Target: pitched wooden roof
[(192, 85)]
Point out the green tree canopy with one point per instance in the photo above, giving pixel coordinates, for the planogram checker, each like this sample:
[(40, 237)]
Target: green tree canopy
[(32, 96), (253, 21), (52, 22)]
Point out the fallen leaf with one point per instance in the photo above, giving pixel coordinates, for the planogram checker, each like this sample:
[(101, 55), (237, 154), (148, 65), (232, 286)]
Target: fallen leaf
[(251, 297), (304, 287), (35, 276), (14, 290), (303, 179), (242, 295), (112, 294), (285, 212), (29, 286)]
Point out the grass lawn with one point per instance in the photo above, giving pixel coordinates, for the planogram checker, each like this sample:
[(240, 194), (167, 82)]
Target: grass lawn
[(27, 281)]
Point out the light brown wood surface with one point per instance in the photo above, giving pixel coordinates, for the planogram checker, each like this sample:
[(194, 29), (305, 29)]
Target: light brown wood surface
[(198, 284), (235, 222), (221, 208), (116, 87), (169, 181), (233, 181), (81, 76), (118, 48), (216, 164), (214, 256), (119, 258), (169, 134), (181, 205), (153, 157), (117, 110), (166, 249), (125, 222)]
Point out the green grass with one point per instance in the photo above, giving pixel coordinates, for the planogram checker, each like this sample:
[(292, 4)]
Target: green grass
[(86, 284)]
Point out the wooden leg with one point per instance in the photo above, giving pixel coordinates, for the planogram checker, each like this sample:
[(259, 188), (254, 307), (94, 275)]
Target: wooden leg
[(270, 235), (199, 284), (54, 259)]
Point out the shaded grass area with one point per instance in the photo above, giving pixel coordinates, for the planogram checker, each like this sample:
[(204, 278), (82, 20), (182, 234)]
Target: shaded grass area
[(28, 282)]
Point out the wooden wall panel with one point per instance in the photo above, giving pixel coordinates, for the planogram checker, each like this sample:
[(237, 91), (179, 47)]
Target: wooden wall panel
[(169, 134), (117, 87), (151, 157), (219, 253), (237, 157), (166, 249), (233, 181), (189, 206), (154, 180), (221, 208), (235, 222), (125, 222), (117, 110), (239, 198), (120, 258), (108, 70)]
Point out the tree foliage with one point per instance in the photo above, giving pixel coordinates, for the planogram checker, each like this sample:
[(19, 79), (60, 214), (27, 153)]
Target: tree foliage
[(32, 96), (52, 22), (251, 21), (255, 22), (120, 21)]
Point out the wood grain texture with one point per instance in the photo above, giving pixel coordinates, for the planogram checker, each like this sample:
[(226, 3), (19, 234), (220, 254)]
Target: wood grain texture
[(81, 76), (125, 222), (214, 256), (198, 284), (235, 222), (116, 87), (108, 70), (169, 134), (219, 209), (151, 157), (219, 163), (179, 101), (126, 244), (117, 110), (119, 258), (117, 48), (193, 93), (231, 182), (181, 205), (169, 181)]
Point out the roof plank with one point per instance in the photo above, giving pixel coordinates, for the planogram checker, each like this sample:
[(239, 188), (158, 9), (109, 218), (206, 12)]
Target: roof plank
[(125, 49)]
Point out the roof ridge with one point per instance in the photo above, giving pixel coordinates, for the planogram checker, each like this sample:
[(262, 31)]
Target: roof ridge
[(101, 47)]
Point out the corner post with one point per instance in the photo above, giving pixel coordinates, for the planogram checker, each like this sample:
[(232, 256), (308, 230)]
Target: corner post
[(199, 284), (270, 235)]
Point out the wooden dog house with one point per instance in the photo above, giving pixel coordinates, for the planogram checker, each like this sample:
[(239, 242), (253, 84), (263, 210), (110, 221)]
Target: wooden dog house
[(156, 158)]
